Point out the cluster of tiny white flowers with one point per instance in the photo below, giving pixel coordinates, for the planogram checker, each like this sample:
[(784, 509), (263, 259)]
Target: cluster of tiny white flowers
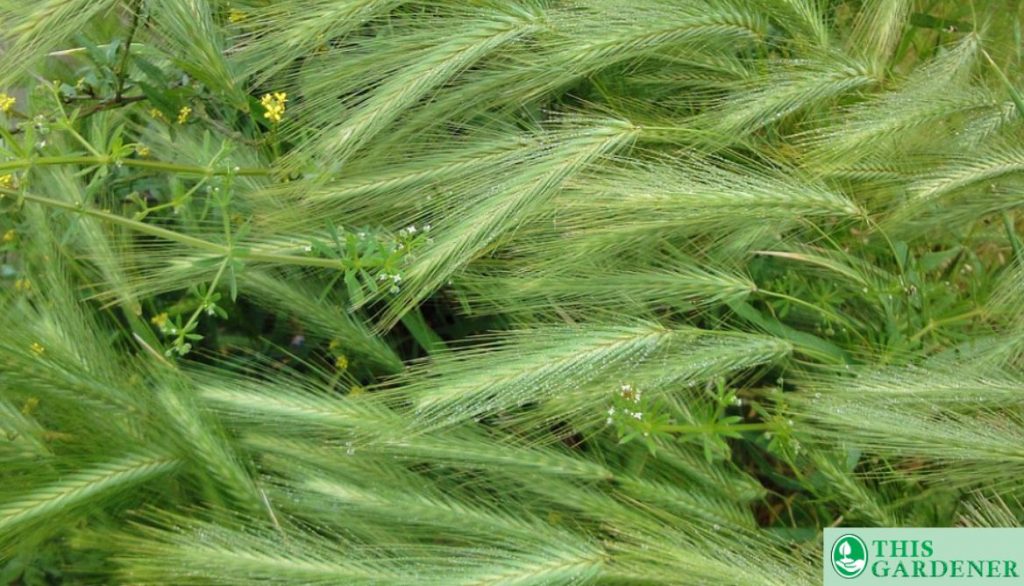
[(627, 391), (411, 230), (407, 234), (394, 278)]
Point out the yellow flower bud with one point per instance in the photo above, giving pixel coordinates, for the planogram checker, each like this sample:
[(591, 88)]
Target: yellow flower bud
[(273, 104), (6, 102), (159, 320), (183, 114), (341, 362)]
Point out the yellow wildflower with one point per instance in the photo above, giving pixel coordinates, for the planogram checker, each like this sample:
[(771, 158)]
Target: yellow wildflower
[(22, 285), (10, 236), (236, 15), (356, 390), (341, 362), (183, 114), (142, 150), (6, 102), (7, 181), (37, 348), (274, 106), (334, 345), (30, 404), (155, 113), (159, 320)]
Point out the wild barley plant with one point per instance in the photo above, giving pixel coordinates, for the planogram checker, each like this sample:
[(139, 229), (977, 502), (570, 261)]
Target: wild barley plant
[(503, 292)]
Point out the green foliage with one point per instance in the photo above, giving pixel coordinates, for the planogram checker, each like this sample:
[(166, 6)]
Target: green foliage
[(503, 292)]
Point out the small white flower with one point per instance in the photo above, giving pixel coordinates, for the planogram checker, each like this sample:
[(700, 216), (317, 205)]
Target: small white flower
[(611, 411), (411, 229), (638, 415)]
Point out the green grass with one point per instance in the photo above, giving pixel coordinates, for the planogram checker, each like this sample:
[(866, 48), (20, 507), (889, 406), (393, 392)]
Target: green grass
[(513, 292)]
